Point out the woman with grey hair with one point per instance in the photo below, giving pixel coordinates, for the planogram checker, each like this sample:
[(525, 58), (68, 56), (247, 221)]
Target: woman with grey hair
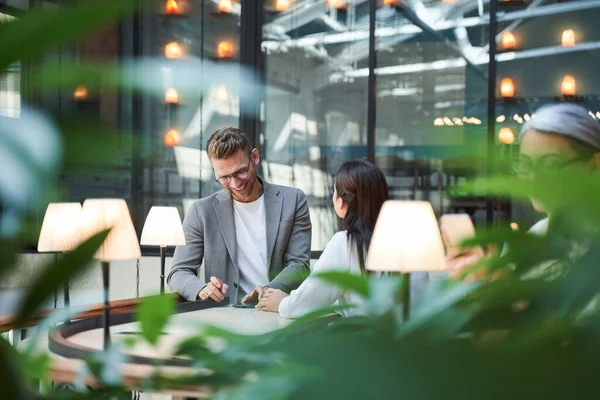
[(560, 136)]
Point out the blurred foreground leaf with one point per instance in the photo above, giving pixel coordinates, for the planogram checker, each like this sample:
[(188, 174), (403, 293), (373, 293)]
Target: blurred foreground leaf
[(40, 30), (55, 274), (351, 282), (12, 381), (93, 145), (153, 314), (272, 383), (8, 256), (571, 194)]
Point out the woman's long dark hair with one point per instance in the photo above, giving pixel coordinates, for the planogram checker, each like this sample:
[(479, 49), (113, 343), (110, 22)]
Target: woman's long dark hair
[(364, 189)]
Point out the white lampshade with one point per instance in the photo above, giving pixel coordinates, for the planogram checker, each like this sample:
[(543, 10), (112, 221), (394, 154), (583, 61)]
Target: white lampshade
[(100, 214), (163, 228), (406, 239), (60, 227)]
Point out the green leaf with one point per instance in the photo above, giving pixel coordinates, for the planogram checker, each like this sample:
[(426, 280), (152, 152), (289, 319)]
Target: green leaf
[(40, 30), (437, 316), (571, 193), (345, 280), (38, 366), (273, 383), (153, 314), (95, 146), (318, 317), (195, 347), (12, 379), (56, 274), (8, 256)]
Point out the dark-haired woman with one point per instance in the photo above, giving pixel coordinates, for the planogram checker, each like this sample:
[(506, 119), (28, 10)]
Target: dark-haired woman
[(359, 192)]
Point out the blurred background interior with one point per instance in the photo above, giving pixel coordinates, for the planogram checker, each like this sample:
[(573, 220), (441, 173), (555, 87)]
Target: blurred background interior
[(421, 114)]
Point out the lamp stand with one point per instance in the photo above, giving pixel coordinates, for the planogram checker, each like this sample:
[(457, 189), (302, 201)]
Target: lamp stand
[(55, 289), (163, 255), (66, 297), (406, 296), (66, 294), (105, 277)]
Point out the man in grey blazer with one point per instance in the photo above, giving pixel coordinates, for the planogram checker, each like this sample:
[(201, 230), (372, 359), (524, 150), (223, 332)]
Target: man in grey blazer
[(250, 235)]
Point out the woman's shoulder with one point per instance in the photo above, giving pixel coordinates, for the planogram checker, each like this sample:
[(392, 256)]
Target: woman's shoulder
[(336, 254), (337, 244), (339, 239)]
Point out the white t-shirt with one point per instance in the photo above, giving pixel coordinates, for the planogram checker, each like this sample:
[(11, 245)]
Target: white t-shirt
[(251, 236)]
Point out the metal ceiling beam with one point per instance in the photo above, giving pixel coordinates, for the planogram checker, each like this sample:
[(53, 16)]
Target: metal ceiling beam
[(540, 11), (480, 60), (513, 25), (333, 24), (412, 16), (300, 15)]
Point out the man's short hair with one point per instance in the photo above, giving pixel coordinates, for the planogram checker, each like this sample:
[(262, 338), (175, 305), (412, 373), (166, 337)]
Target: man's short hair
[(225, 142)]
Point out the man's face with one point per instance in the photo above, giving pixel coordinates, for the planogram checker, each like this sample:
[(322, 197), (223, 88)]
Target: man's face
[(237, 175)]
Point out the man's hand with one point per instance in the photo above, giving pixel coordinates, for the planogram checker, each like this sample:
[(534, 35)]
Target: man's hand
[(270, 300), (255, 296), (215, 290)]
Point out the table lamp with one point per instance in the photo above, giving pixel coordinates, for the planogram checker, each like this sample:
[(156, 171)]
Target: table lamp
[(406, 239), (60, 233), (120, 244), (163, 228)]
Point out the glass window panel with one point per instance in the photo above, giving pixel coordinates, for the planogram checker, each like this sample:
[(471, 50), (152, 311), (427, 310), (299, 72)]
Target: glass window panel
[(431, 100), (315, 116)]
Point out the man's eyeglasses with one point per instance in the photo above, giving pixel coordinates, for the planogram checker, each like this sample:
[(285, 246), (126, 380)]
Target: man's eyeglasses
[(545, 165), (241, 174)]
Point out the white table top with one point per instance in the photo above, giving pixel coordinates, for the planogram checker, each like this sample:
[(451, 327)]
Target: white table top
[(244, 321)]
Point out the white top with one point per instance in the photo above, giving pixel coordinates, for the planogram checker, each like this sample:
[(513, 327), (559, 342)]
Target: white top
[(315, 293), (540, 228), (251, 236)]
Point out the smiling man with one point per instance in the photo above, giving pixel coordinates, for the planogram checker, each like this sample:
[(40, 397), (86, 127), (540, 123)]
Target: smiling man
[(250, 235)]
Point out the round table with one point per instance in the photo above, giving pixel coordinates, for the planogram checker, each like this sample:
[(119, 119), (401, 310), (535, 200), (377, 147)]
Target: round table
[(70, 344)]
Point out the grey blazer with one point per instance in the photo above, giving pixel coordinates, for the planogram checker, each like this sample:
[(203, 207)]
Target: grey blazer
[(210, 236)]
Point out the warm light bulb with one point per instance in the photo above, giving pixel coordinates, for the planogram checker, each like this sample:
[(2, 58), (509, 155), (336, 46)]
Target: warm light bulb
[(282, 5), (171, 96), (336, 3), (507, 88), (172, 138), (225, 6), (568, 38), (172, 8), (80, 93), (508, 41), (390, 2), (173, 50), (568, 86), (225, 49), (222, 94), (506, 136)]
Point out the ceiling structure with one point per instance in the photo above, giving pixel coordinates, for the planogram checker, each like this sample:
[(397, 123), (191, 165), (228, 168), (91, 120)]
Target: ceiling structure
[(340, 37)]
